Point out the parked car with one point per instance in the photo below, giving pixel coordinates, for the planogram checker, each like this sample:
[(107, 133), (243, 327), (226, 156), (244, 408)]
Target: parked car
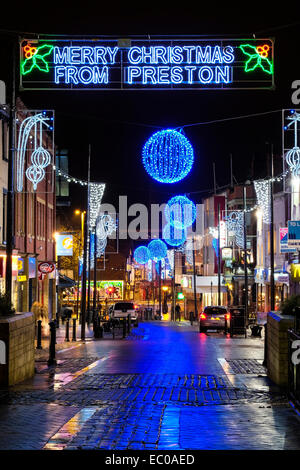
[(214, 318), (123, 309)]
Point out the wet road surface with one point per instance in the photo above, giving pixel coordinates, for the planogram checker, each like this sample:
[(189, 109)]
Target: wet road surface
[(164, 387)]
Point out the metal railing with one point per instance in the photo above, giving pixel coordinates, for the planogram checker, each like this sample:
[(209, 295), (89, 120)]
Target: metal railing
[(293, 368)]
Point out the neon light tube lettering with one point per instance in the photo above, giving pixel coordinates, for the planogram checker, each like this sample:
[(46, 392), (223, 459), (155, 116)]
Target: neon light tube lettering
[(203, 57), (176, 56), (176, 75), (205, 75), (112, 54), (149, 72), (189, 50), (61, 56), (75, 55), (132, 73), (131, 55), (190, 70), (217, 55), (222, 74), (147, 55), (228, 56)]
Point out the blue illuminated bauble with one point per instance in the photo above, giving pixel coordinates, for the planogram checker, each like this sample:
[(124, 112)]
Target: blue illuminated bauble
[(180, 212), (141, 255), (168, 156), (158, 250), (173, 236)]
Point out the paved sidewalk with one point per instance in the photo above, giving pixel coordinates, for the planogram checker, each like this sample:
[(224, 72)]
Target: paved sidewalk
[(164, 387)]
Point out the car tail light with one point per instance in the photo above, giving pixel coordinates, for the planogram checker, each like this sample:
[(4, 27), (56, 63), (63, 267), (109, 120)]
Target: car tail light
[(136, 306), (227, 316), (203, 316)]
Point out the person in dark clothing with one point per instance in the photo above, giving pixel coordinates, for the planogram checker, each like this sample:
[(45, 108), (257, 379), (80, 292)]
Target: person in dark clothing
[(177, 311)]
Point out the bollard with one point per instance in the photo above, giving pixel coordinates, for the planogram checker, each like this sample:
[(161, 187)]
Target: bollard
[(52, 360), (129, 323), (74, 330), (113, 330), (124, 327), (265, 346), (39, 335), (67, 330), (191, 317)]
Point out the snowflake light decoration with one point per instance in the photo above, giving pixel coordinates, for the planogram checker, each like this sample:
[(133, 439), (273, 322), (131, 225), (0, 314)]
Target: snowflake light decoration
[(293, 156), (263, 195), (235, 224)]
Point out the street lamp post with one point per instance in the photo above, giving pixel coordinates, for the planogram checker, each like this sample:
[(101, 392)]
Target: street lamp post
[(10, 179), (245, 248), (159, 289), (95, 278), (219, 254), (83, 282), (272, 282), (195, 280)]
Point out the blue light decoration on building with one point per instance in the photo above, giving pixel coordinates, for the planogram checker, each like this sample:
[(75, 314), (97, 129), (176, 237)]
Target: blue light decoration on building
[(181, 212), (174, 236), (168, 156), (215, 244), (142, 255), (158, 250)]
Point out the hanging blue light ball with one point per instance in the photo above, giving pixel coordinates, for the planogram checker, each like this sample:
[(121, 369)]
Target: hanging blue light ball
[(180, 212), (158, 250), (141, 255), (173, 236), (168, 156)]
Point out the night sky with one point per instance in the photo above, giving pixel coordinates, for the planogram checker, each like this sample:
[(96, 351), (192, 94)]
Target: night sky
[(117, 123)]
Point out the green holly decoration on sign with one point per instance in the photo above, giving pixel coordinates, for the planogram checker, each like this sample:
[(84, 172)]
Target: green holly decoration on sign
[(35, 58), (258, 58)]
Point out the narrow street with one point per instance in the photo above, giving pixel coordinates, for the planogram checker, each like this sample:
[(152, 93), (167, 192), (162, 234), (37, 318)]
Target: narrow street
[(163, 387)]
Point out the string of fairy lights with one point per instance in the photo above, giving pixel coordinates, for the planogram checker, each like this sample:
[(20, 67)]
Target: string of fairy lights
[(262, 194)]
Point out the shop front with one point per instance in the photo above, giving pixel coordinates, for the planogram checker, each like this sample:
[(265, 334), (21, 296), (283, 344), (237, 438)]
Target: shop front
[(263, 281)]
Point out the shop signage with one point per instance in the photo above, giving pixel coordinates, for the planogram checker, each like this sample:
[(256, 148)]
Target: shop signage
[(294, 233), (31, 268), (21, 266), (46, 268), (22, 278), (227, 253), (173, 63), (64, 244), (295, 272), (283, 237)]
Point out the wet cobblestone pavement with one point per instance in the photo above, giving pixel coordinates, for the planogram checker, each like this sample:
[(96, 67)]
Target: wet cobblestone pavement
[(151, 391)]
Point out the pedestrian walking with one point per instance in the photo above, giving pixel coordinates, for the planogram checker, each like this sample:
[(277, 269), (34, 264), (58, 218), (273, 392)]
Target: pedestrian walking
[(178, 312)]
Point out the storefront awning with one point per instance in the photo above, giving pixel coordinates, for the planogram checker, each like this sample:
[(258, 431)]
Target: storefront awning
[(65, 281)]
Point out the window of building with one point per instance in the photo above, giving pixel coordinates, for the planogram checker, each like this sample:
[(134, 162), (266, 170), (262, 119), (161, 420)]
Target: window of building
[(4, 215), (4, 140)]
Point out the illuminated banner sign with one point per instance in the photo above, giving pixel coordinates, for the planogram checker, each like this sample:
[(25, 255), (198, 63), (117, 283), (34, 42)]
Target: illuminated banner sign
[(64, 245), (294, 234), (146, 64), (283, 236)]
